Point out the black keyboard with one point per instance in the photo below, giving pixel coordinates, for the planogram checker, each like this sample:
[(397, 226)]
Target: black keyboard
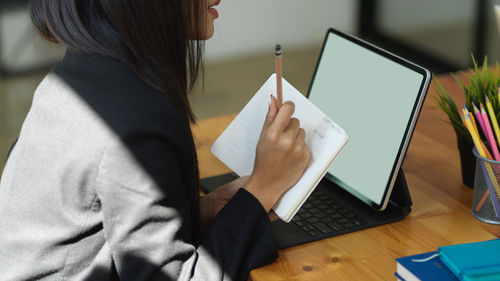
[(328, 212), (320, 215)]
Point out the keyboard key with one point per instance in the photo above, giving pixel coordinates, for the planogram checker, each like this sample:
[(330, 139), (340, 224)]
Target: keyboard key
[(322, 227), (313, 233), (349, 224), (314, 210), (335, 226), (308, 227), (306, 215), (320, 215), (357, 222), (301, 223), (297, 218), (336, 215), (342, 220), (316, 202), (320, 193), (329, 211), (328, 219), (323, 207), (329, 202), (307, 206), (350, 215), (312, 220)]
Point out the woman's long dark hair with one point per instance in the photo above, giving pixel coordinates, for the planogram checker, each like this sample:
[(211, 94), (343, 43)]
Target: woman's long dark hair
[(151, 36)]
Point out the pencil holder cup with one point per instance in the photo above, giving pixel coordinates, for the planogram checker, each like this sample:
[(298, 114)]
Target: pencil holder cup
[(486, 202)]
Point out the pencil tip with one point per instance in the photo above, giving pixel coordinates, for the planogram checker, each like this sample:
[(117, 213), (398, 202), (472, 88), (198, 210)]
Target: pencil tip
[(487, 99), (475, 107)]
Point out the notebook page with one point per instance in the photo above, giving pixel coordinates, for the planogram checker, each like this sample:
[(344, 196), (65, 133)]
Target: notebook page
[(236, 146)]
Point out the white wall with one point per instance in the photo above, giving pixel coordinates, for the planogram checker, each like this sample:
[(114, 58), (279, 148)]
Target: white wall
[(252, 26)]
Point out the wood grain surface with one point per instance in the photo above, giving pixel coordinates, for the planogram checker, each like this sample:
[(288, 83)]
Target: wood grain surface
[(440, 213)]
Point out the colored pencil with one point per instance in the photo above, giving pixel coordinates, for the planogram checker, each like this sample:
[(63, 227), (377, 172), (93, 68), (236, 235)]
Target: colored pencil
[(473, 121), (489, 136), (479, 119), (475, 137), (493, 119)]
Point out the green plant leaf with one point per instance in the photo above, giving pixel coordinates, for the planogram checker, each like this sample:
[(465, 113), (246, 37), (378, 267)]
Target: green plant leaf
[(479, 83)]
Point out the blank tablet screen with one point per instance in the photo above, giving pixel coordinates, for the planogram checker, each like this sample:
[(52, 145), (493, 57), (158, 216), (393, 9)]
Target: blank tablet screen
[(373, 97)]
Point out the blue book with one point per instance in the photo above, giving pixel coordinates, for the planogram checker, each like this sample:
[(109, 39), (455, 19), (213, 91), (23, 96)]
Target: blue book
[(431, 270), (479, 261)]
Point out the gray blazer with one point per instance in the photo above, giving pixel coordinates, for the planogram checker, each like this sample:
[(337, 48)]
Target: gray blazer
[(102, 185)]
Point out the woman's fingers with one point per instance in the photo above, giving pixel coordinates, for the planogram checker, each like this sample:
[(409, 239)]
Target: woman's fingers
[(292, 129), (271, 112), (283, 117), (301, 136), (301, 147)]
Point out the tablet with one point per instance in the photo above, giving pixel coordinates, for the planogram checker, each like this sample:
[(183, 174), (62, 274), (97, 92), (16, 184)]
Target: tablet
[(376, 97)]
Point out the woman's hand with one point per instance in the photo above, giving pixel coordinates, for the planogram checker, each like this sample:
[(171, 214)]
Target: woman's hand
[(282, 155), (212, 203)]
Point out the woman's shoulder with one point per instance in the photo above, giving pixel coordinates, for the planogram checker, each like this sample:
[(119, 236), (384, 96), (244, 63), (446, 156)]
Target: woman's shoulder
[(92, 103), (114, 93)]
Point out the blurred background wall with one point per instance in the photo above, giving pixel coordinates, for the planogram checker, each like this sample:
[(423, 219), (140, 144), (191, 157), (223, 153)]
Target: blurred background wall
[(447, 30), (249, 27)]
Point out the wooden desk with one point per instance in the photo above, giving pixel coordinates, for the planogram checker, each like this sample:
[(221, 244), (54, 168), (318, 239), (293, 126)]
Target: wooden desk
[(440, 216)]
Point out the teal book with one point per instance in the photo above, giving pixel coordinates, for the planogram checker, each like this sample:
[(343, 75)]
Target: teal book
[(479, 261)]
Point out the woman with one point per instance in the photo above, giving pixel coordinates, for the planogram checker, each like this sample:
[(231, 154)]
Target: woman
[(102, 183)]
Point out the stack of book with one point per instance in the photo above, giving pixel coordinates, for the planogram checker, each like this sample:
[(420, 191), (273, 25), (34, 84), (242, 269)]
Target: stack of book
[(479, 261)]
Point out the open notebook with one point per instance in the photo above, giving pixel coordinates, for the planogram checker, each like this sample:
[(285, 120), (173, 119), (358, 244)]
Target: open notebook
[(236, 146)]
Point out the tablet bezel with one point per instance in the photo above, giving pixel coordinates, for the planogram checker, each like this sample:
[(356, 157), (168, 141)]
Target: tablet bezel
[(403, 147)]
